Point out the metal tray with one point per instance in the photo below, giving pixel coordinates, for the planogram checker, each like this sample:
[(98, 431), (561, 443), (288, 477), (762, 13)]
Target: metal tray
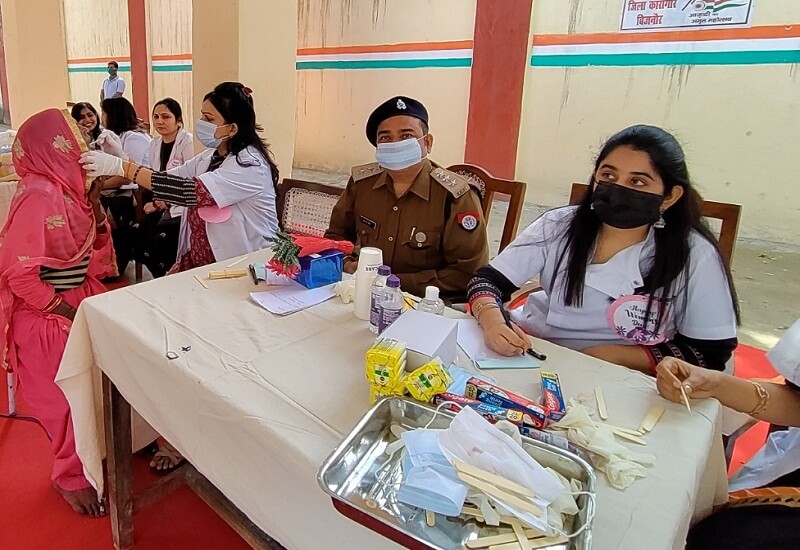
[(349, 476)]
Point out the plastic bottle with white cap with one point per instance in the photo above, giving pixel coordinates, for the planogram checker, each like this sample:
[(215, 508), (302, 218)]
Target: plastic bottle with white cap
[(431, 303), (369, 260)]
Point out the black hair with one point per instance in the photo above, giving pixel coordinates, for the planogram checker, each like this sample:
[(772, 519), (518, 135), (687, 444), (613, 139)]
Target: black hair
[(235, 104), (173, 107), (77, 113), (672, 248), (120, 115), (116, 65)]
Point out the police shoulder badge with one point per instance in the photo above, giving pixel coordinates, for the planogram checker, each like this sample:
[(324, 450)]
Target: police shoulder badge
[(468, 220)]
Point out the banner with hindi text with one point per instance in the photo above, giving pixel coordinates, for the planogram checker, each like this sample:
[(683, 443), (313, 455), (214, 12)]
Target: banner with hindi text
[(648, 15)]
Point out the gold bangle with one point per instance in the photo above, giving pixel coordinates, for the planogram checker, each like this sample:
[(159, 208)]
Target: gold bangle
[(480, 307), (763, 399)]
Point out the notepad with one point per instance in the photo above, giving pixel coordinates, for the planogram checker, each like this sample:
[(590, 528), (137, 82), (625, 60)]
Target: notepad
[(291, 299), (470, 339)]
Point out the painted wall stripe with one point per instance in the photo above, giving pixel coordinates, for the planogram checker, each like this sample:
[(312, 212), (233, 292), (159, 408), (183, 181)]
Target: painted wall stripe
[(752, 33), (681, 58), (384, 64), (715, 46)]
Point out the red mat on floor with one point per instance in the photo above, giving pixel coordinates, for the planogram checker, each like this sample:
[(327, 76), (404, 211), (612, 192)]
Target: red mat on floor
[(35, 517)]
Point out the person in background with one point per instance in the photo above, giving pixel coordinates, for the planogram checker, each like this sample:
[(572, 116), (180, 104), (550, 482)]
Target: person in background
[(427, 221), (763, 509), (155, 241), (631, 275), (119, 117), (103, 264), (113, 85), (54, 227)]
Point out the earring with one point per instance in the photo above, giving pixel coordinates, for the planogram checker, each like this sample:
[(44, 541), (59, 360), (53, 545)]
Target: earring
[(660, 223)]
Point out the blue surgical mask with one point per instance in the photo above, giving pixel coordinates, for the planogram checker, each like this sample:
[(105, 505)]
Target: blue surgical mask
[(399, 155), (204, 131)]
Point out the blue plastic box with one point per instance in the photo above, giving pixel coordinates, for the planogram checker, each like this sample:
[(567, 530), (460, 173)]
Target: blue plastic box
[(321, 269)]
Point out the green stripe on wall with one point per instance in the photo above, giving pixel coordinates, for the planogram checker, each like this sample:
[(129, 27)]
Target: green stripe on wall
[(384, 64), (172, 68), (682, 58), (95, 69), (156, 69)]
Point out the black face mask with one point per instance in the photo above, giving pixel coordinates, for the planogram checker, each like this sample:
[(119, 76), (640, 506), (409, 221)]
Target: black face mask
[(623, 207)]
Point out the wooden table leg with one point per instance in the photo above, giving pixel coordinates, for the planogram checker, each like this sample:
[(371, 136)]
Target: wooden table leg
[(117, 413), (218, 502)]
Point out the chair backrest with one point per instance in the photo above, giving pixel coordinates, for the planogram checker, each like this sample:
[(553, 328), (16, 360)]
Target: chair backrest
[(305, 206), (489, 186), (728, 213)]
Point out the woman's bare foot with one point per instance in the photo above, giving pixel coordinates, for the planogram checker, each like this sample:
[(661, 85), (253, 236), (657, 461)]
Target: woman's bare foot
[(166, 459), (83, 501)]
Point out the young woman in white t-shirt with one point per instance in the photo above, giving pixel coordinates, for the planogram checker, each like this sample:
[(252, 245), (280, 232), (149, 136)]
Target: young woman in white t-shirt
[(630, 275), (119, 117)]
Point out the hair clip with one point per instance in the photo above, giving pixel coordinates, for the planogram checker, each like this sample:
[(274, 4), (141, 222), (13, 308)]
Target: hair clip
[(247, 91)]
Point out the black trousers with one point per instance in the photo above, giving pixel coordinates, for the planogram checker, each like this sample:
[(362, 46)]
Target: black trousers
[(123, 216), (155, 242)]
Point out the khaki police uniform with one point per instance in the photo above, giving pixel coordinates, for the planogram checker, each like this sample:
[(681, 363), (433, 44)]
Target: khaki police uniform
[(433, 235)]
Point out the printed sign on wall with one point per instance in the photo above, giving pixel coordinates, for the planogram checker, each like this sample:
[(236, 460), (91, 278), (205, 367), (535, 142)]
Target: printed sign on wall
[(640, 15)]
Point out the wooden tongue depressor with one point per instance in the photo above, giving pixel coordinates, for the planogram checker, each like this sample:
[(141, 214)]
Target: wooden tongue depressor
[(601, 403), (652, 417), (202, 282), (500, 494), (475, 513), (523, 541), (430, 518), (227, 274), (499, 481), (545, 542), (486, 542), (630, 437)]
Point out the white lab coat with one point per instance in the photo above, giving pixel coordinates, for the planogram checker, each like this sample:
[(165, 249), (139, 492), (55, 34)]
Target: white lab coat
[(182, 152), (248, 190), (701, 304), (781, 453)]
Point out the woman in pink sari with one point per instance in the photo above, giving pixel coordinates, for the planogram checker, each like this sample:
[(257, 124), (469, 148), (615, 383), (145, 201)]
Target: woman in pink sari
[(54, 226)]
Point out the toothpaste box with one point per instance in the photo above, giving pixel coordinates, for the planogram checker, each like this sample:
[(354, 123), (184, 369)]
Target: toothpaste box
[(490, 412), (533, 414), (553, 398)]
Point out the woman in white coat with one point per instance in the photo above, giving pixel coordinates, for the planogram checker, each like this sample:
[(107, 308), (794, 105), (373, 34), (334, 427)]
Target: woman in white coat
[(229, 189), (155, 243)]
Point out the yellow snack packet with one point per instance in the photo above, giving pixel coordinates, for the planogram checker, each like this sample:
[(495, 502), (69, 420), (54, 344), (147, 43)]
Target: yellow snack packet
[(428, 380), (386, 362)]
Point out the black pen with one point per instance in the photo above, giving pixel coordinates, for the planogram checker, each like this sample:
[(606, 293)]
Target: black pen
[(530, 351)]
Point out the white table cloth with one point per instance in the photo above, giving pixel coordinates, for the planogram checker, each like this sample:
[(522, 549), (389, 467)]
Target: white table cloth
[(259, 401)]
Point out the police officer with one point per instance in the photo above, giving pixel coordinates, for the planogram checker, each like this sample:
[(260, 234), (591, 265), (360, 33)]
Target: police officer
[(427, 220)]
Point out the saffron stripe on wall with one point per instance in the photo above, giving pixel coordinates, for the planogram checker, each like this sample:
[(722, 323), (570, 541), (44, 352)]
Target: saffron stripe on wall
[(654, 59)]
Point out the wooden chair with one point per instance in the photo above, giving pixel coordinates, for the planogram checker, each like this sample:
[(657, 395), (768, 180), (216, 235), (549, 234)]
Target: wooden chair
[(489, 186), (728, 213), (305, 206)]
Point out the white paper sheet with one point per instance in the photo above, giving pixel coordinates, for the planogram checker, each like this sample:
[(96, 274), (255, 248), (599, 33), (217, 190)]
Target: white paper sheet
[(293, 298), (470, 338)]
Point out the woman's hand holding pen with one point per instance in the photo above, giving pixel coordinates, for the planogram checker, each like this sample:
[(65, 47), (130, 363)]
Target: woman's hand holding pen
[(502, 338)]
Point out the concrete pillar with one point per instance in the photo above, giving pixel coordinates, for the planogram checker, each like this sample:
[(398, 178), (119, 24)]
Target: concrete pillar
[(500, 57), (267, 64), (140, 57), (229, 44), (33, 33)]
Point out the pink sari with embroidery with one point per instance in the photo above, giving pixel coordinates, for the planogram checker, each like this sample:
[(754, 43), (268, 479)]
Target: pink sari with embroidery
[(50, 224)]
